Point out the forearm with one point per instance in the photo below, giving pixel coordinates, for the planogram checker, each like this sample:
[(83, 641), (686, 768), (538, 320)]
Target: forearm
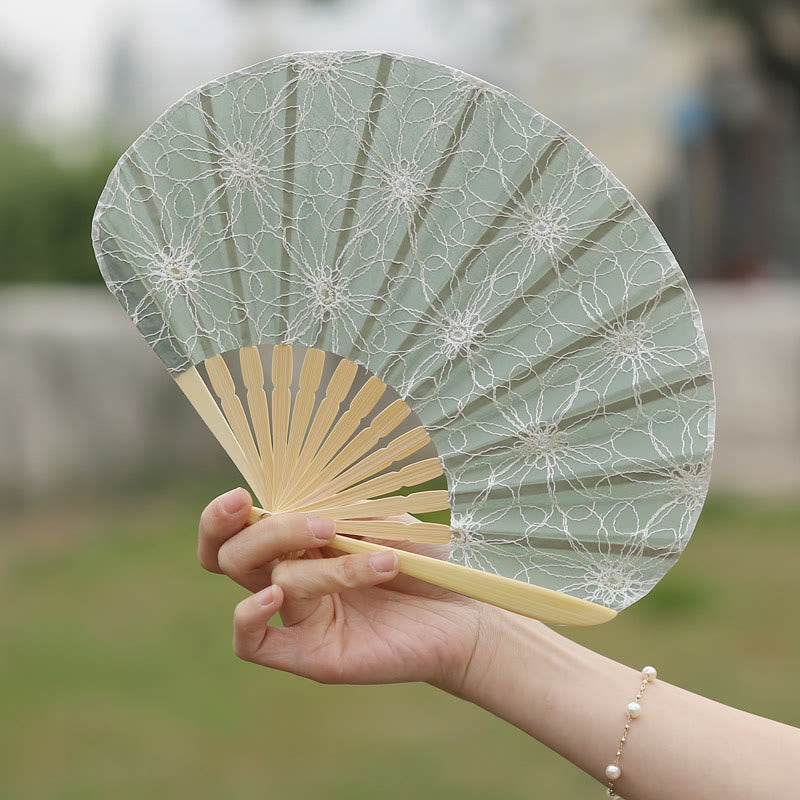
[(573, 700)]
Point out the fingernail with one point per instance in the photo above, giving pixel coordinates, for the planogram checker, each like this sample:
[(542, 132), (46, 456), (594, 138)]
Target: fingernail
[(267, 596), (233, 500), (321, 528), (385, 561)]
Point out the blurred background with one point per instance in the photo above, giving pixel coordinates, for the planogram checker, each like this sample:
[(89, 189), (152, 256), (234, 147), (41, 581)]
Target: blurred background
[(116, 673)]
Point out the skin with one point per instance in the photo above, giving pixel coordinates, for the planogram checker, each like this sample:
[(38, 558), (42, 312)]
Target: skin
[(353, 619)]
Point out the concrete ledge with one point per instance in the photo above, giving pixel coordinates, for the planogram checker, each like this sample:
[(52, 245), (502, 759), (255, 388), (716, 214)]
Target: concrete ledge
[(84, 402), (753, 335)]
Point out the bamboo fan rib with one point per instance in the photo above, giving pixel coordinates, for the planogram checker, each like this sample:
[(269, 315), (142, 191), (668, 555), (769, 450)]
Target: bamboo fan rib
[(304, 402), (410, 475), (253, 376), (321, 462), (234, 412)]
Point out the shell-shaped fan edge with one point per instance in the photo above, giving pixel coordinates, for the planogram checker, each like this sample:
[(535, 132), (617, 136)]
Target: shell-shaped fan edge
[(455, 245)]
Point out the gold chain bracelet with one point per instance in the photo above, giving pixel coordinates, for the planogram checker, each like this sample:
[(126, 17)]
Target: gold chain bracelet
[(613, 770)]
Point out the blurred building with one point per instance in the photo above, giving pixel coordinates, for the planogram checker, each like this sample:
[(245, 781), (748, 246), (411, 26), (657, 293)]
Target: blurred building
[(731, 209)]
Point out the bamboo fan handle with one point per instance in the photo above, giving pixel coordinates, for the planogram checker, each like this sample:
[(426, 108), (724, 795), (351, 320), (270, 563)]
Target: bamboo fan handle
[(522, 598)]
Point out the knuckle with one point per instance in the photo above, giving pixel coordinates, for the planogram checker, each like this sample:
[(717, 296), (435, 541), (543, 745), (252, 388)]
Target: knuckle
[(215, 525), (280, 574), (206, 562), (212, 518), (226, 558), (286, 527), (239, 641), (348, 571)]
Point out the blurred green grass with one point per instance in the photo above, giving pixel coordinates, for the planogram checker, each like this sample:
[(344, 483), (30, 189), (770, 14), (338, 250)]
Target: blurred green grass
[(117, 676)]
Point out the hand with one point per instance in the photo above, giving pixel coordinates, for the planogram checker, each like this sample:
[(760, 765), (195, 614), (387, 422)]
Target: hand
[(347, 618)]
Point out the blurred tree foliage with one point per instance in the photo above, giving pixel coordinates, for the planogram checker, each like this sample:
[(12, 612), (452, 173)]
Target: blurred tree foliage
[(46, 209)]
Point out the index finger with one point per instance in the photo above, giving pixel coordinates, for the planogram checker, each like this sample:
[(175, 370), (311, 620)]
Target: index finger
[(221, 519)]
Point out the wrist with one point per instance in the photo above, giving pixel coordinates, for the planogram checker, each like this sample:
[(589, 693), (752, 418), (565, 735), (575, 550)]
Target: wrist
[(547, 685), (500, 639)]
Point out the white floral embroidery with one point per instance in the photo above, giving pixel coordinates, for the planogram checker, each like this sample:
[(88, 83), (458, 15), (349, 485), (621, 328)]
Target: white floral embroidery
[(460, 334), (467, 251), (243, 167), (316, 68), (543, 228), (405, 188), (174, 272)]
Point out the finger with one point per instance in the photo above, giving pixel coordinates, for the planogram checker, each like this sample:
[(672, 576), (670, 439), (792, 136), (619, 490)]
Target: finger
[(248, 556), (305, 581), (256, 641), (222, 518), (251, 621)]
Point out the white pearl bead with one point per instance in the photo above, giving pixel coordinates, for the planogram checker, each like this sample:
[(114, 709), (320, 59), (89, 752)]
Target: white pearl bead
[(634, 709), (649, 673), (613, 772)]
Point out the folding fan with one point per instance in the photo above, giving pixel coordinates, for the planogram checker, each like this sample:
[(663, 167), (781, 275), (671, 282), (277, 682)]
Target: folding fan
[(366, 271)]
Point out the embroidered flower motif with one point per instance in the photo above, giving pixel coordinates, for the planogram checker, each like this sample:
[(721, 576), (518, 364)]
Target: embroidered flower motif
[(543, 228), (622, 562), (530, 446), (460, 334), (455, 339), (319, 68), (405, 188), (178, 272), (689, 485), (244, 167), (323, 83), (174, 273), (475, 540), (328, 294), (614, 581), (628, 342), (541, 445), (406, 174), (324, 305), (235, 163), (465, 539)]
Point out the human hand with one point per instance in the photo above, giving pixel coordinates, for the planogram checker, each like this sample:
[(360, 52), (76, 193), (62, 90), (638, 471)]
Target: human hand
[(347, 618)]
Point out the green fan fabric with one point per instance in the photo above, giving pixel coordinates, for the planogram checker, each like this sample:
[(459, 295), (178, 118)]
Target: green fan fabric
[(470, 253)]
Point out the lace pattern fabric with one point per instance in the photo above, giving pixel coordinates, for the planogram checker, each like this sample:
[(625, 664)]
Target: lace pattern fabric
[(471, 254)]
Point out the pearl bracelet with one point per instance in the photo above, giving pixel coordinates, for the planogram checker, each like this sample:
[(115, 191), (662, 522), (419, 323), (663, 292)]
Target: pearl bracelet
[(613, 770)]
